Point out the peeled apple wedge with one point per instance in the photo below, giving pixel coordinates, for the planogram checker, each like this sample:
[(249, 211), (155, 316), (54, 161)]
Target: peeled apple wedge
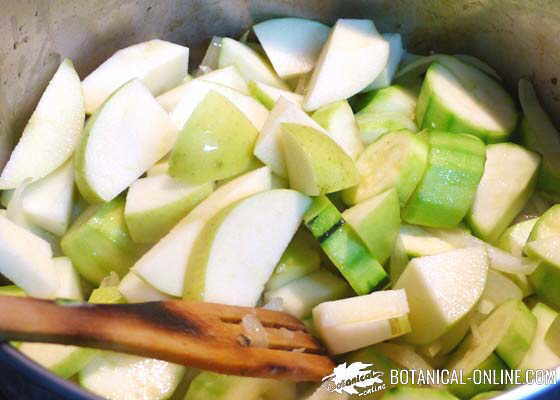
[(164, 265), (269, 95), (448, 188), (209, 385), (52, 133), (232, 235), (98, 242), (509, 178), (441, 290), (539, 134), (353, 56), (396, 160), (227, 76), (350, 324), (26, 260), (338, 120), (291, 44), (155, 204), (197, 90), (268, 147), (344, 247), (160, 65), (125, 137), (459, 98), (301, 258), (396, 50), (215, 143), (316, 164), (250, 64), (135, 290), (377, 222)]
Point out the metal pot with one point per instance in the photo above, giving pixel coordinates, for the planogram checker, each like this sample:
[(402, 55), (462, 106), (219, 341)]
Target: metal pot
[(517, 37)]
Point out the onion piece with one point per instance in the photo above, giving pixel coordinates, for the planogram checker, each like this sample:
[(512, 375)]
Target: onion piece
[(254, 331)]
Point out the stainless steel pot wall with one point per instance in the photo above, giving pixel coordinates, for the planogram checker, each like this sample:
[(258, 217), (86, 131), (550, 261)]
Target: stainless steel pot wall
[(517, 37)]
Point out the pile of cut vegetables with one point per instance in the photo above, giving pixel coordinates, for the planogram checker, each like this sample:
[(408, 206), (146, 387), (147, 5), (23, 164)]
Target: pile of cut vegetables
[(402, 206)]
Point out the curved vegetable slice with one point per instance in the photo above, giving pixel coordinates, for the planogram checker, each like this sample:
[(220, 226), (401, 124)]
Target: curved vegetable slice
[(456, 97)]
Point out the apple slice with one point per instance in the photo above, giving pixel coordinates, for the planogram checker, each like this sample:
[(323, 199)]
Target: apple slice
[(396, 50), (135, 290), (339, 122), (233, 235), (316, 164), (154, 205), (349, 324), (125, 137), (268, 148), (292, 44), (26, 260), (442, 289), (377, 222), (164, 265), (52, 133), (216, 143), (160, 65), (196, 92), (251, 65), (227, 76), (353, 56), (47, 202), (269, 95), (98, 242)]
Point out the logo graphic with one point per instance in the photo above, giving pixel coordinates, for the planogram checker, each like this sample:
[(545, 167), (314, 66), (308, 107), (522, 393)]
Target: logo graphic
[(354, 379)]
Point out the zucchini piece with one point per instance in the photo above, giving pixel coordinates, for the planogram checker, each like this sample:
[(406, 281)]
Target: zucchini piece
[(399, 260), (412, 393), (539, 134), (548, 224), (373, 126), (404, 355), (98, 242), (344, 247), (487, 395), (446, 192), (459, 98), (540, 355), (397, 160), (11, 290), (377, 222), (508, 181), (545, 280), (392, 99), (552, 337), (301, 295), (301, 258), (209, 385), (547, 250), (442, 289), (478, 63), (515, 237), (268, 95), (350, 324), (418, 242)]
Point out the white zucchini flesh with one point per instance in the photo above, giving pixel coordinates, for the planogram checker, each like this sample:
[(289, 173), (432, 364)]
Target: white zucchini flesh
[(441, 290), (356, 322), (419, 242), (52, 132), (117, 376), (160, 65), (135, 290), (508, 181), (291, 44), (165, 264)]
